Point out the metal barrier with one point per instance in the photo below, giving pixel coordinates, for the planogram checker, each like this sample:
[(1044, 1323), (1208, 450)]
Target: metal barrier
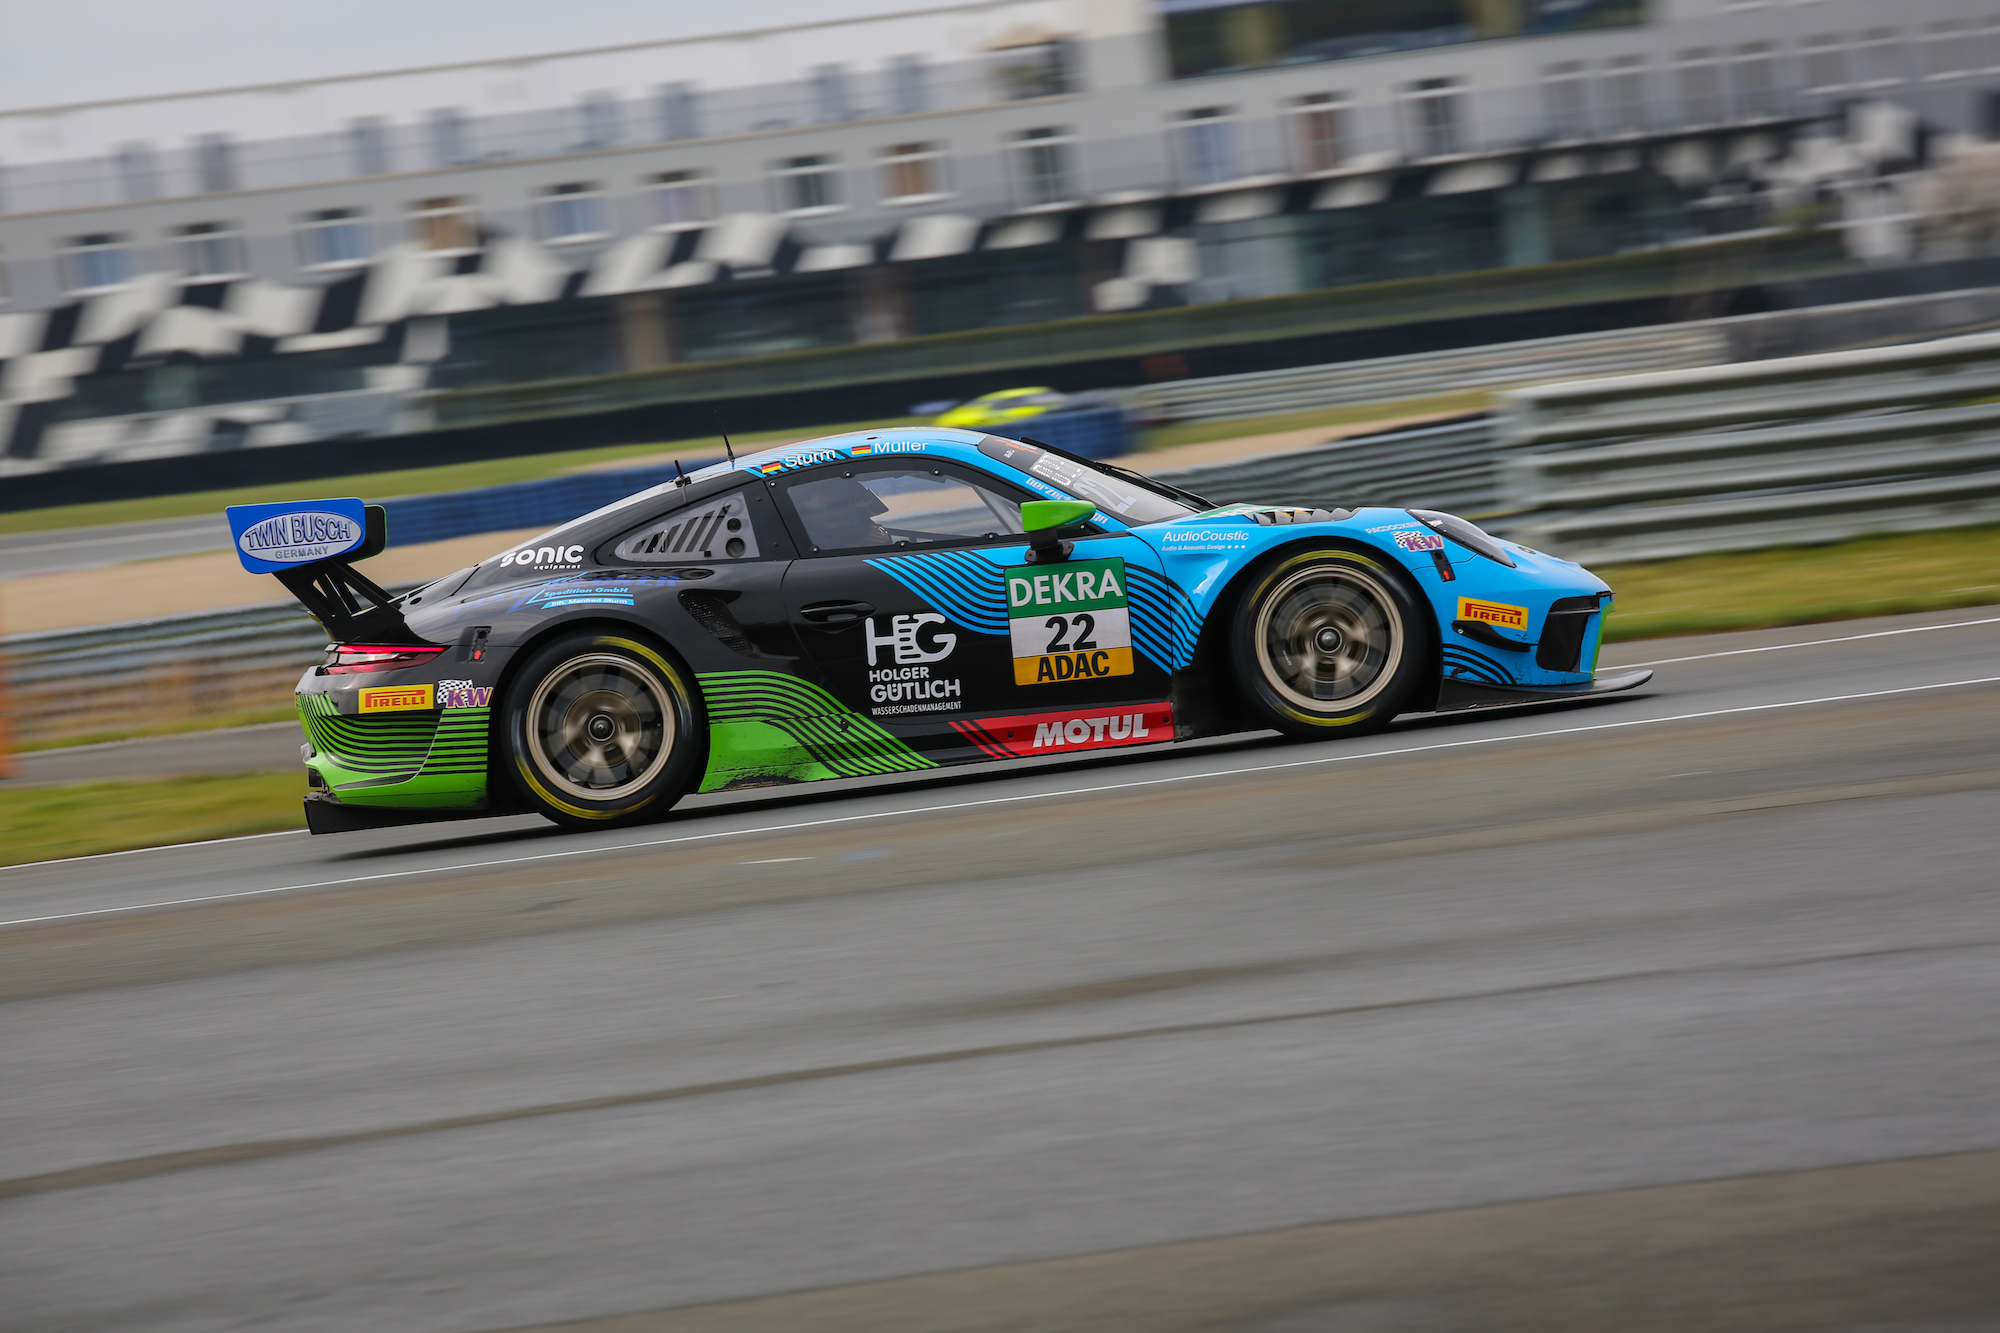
[(1444, 466), (1383, 379), (1801, 450)]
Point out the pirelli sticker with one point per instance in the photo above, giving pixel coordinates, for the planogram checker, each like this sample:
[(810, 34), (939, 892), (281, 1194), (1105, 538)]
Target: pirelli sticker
[(1069, 621), (396, 698), (1493, 613)]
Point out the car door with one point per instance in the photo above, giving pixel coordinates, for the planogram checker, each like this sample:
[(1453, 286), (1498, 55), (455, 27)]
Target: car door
[(901, 597)]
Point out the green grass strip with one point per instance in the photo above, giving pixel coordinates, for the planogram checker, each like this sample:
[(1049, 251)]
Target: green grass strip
[(1805, 585), (85, 818)]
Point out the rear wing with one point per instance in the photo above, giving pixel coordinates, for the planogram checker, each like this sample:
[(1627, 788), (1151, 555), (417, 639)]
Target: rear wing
[(311, 546)]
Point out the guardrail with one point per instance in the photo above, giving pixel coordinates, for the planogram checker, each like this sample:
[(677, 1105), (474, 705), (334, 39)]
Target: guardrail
[(1448, 465), (1801, 450), (1382, 379)]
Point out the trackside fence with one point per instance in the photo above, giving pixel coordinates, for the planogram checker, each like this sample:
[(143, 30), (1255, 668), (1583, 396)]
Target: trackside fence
[(1805, 449)]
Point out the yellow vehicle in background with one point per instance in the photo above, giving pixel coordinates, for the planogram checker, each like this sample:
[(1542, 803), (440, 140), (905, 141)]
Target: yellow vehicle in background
[(1003, 406)]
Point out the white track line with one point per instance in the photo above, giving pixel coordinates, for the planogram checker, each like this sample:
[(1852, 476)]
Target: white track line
[(1810, 643), (995, 800)]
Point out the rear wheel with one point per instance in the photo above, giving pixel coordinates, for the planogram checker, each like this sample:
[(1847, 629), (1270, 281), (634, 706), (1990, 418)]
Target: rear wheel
[(1327, 642), (601, 730)]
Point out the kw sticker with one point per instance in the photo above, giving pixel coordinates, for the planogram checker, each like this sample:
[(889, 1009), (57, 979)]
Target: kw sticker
[(396, 698), (1493, 613), (463, 694), (1420, 541), (1081, 729), (1069, 621)]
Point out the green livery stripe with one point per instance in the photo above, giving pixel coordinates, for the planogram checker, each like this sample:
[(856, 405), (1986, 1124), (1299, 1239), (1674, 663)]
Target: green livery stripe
[(372, 746), (843, 741), (460, 744)]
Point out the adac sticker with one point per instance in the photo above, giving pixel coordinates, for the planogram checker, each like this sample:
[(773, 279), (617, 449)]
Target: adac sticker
[(1420, 541), (1069, 621), (1502, 614), (274, 537), (396, 698)]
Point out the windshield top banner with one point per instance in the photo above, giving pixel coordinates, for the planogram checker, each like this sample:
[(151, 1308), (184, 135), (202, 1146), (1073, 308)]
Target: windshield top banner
[(274, 537)]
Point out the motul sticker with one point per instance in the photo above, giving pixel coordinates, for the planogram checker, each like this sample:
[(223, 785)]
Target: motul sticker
[(1493, 613), (396, 698), (1069, 621), (1077, 729)]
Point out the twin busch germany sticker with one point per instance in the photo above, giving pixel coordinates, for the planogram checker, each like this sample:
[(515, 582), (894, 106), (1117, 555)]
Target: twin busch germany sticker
[(396, 698), (1493, 613), (1076, 729), (1069, 621)]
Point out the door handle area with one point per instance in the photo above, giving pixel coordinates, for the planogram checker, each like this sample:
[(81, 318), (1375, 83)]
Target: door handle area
[(833, 615)]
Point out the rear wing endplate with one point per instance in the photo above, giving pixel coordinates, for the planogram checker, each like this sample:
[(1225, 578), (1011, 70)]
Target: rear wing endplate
[(311, 546)]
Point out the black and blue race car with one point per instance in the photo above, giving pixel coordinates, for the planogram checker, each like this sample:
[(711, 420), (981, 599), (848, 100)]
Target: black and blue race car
[(888, 602)]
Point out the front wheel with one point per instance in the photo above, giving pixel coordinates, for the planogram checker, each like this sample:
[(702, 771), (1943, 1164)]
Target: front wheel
[(1326, 642), (601, 730)]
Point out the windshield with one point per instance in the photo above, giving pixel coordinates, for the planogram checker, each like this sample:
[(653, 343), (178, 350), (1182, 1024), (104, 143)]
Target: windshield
[(1126, 496)]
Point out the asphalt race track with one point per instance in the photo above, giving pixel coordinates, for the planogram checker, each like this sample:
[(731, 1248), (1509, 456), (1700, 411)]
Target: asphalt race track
[(1672, 1011)]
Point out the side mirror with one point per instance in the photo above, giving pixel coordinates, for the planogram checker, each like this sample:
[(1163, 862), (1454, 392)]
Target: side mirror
[(1044, 520)]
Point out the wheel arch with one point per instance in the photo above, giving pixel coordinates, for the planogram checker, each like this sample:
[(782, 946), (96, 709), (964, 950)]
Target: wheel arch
[(1212, 647)]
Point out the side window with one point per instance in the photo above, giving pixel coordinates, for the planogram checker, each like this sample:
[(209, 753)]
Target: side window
[(718, 529), (899, 507)]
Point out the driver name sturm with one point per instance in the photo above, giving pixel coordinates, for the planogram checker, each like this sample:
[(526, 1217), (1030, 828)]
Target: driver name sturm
[(1069, 621)]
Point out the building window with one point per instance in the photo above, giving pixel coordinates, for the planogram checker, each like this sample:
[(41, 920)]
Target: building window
[(1035, 69), (214, 163), (572, 212), (446, 225), (829, 94), (1206, 145), (599, 116), (333, 238), (1948, 49), (210, 249), (1878, 57), (909, 86), (1566, 99), (97, 260), (1624, 97), (912, 172), (1826, 62), (1042, 172), (1753, 74), (1701, 86), (680, 199), (451, 142), (1319, 131), (807, 184), (680, 111), (1431, 112), (368, 146), (138, 171)]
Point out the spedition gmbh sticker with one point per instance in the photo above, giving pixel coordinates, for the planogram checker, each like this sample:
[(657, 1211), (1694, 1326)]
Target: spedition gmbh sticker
[(1069, 621)]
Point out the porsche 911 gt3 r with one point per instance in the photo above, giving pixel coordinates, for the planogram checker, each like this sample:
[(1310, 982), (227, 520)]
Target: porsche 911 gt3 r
[(888, 602)]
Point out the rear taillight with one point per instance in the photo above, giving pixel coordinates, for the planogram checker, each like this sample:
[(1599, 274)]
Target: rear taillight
[(344, 659)]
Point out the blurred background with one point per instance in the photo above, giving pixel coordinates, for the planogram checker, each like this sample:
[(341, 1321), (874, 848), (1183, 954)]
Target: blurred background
[(1703, 293)]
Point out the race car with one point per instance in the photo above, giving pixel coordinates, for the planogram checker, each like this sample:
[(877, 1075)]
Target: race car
[(892, 602), (1004, 406)]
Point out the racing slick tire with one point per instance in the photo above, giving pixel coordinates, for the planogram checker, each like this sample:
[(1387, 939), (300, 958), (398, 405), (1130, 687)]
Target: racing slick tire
[(1327, 642), (601, 729)]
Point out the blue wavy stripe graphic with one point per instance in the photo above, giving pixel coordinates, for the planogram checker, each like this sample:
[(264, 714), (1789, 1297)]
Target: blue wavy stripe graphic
[(1465, 664), (969, 591), (1164, 625)]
